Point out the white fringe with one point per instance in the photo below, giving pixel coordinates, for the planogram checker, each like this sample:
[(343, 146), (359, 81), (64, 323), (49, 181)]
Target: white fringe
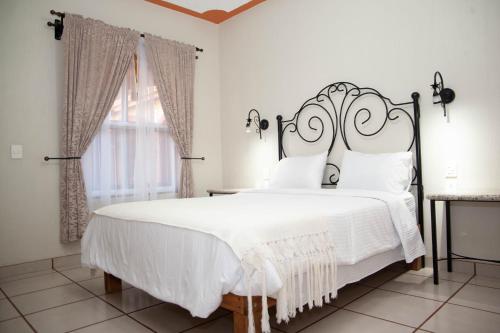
[(304, 261)]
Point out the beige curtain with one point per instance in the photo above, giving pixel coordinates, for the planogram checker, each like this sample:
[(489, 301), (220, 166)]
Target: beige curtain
[(97, 57), (173, 65)]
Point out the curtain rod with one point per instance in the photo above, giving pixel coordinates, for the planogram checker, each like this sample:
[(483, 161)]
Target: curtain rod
[(58, 25)]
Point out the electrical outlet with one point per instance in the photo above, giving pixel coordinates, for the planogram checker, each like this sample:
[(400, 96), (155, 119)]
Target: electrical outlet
[(451, 170)]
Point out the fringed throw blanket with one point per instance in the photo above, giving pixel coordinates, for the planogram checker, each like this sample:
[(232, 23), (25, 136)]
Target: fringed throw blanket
[(302, 261), (258, 228)]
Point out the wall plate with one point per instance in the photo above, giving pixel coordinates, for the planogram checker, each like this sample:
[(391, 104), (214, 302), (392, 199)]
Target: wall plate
[(16, 151), (451, 170)]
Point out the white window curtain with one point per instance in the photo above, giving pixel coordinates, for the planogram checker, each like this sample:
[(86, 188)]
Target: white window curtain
[(133, 157)]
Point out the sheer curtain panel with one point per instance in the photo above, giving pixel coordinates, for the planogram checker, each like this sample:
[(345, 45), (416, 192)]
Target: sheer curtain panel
[(97, 57), (172, 64), (133, 156)]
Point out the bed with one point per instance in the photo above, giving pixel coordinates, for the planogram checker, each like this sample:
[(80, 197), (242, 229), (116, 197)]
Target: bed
[(172, 250)]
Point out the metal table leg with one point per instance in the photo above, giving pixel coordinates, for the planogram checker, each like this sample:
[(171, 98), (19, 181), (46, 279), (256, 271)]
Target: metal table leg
[(448, 236), (434, 243)]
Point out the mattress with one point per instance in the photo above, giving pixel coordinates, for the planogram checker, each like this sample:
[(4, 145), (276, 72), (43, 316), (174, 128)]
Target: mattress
[(194, 269)]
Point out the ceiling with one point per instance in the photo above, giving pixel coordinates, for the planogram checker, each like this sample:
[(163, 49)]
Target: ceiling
[(215, 11)]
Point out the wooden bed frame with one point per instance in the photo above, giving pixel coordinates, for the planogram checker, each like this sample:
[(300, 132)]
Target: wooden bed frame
[(238, 305)]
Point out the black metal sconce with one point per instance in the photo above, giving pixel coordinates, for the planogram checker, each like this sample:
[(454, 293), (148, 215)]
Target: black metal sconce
[(262, 124), (446, 95)]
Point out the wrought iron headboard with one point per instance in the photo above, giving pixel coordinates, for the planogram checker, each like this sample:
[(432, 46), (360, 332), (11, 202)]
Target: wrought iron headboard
[(338, 100)]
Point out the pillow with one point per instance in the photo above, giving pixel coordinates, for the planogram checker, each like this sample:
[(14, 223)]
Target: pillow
[(379, 172), (299, 172)]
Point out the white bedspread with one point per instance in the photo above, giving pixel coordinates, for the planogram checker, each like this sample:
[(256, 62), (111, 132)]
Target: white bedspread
[(194, 269)]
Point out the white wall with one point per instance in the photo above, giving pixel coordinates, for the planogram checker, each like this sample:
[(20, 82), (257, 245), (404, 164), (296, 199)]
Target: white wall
[(280, 53), (30, 94)]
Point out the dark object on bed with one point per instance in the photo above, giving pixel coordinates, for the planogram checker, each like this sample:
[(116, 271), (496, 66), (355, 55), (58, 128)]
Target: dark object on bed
[(335, 104)]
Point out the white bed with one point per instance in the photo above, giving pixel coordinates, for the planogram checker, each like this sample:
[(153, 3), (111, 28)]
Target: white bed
[(195, 269)]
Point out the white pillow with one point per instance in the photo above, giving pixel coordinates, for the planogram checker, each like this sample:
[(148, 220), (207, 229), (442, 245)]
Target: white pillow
[(390, 172), (299, 172)]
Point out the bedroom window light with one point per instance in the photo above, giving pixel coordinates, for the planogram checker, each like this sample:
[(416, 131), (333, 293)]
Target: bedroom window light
[(133, 157)]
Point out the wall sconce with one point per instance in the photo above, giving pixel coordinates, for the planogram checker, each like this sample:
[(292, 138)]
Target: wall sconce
[(262, 125), (441, 95)]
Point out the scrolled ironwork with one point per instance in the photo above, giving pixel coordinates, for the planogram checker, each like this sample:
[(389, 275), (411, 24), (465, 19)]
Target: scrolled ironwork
[(333, 176), (333, 106)]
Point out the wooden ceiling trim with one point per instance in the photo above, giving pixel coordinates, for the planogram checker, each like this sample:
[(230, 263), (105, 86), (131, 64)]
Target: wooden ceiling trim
[(215, 16)]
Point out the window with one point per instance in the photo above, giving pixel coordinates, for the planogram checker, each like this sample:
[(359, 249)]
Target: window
[(133, 157)]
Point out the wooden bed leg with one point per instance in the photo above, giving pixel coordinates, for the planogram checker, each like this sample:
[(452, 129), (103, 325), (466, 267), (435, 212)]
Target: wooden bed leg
[(239, 306), (415, 265), (240, 321), (257, 317), (112, 284)]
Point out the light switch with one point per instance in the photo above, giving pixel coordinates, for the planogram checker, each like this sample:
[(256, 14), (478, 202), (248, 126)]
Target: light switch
[(16, 151)]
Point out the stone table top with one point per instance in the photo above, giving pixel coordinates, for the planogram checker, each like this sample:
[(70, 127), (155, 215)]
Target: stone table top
[(465, 196)]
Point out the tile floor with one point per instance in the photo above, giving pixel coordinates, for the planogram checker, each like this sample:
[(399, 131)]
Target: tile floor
[(72, 299)]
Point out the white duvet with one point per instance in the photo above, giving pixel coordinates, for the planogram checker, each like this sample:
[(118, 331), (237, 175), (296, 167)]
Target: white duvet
[(152, 246)]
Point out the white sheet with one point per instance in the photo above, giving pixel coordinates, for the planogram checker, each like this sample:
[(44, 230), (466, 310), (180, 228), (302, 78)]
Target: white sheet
[(194, 269)]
